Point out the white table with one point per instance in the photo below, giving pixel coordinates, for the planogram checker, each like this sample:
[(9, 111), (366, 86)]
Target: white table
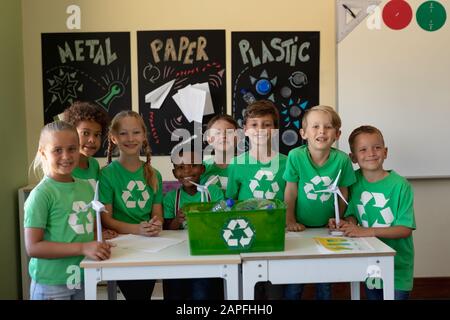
[(174, 262), (303, 262)]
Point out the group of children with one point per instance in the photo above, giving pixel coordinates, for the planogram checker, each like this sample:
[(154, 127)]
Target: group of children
[(60, 227)]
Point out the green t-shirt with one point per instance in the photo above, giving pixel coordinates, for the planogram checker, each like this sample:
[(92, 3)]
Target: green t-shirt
[(132, 199), (212, 169), (248, 178), (315, 209), (385, 203), (60, 209), (91, 173), (185, 198)]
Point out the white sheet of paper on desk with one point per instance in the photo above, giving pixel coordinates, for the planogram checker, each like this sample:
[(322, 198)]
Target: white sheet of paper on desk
[(194, 101), (147, 244), (157, 96), (342, 244)]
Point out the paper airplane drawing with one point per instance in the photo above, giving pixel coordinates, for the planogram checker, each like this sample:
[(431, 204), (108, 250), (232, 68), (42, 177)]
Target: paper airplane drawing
[(194, 101), (334, 189), (156, 97)]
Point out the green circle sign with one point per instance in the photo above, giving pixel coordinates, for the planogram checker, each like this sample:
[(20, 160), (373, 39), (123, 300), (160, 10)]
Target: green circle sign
[(431, 16)]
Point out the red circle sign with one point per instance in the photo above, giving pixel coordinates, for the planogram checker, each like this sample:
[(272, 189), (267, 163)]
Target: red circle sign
[(397, 14)]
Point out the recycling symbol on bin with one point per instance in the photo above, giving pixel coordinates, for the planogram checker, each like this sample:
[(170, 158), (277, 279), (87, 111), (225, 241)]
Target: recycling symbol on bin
[(81, 219), (254, 184), (131, 193), (309, 188), (379, 202), (238, 233)]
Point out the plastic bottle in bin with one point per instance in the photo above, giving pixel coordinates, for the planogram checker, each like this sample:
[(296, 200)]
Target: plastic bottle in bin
[(248, 97), (255, 204), (223, 205)]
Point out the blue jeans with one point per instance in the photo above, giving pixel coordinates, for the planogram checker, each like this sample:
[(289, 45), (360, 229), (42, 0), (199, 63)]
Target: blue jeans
[(295, 291), (377, 294), (54, 292)]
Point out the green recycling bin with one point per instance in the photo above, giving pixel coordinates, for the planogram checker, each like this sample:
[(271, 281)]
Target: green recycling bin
[(233, 232)]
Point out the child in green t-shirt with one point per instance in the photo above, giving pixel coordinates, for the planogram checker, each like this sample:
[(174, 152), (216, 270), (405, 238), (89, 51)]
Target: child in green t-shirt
[(91, 122), (258, 173), (131, 190), (381, 205), (221, 136), (187, 169), (59, 226), (311, 168)]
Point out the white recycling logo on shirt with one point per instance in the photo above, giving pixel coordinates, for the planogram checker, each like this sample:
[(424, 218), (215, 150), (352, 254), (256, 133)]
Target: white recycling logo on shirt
[(254, 185), (126, 194), (379, 202), (310, 192), (81, 219), (238, 233)]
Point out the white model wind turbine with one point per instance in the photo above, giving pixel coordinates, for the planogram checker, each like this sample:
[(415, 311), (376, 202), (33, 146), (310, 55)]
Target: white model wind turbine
[(334, 189), (98, 207), (203, 189)]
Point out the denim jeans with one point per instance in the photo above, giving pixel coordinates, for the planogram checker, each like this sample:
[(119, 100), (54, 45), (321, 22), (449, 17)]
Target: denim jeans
[(54, 292), (295, 291), (377, 294)]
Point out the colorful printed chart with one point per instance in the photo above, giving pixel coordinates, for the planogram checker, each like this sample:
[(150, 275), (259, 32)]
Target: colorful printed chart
[(342, 244)]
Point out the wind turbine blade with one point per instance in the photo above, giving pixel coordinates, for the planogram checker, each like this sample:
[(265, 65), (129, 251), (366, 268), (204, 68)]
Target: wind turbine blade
[(335, 182), (96, 192), (211, 180), (329, 190), (341, 195), (195, 184)]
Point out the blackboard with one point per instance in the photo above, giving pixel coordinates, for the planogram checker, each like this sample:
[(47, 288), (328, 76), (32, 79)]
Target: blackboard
[(286, 66), (178, 59), (398, 81), (86, 66)]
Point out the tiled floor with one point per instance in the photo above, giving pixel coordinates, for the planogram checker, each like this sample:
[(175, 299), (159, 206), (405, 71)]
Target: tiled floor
[(102, 292)]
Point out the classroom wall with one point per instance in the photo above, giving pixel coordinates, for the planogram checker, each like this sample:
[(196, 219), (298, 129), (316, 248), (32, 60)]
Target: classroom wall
[(116, 15), (432, 213), (13, 162), (431, 239)]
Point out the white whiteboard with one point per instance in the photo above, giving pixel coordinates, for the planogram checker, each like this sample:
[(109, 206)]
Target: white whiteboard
[(399, 81)]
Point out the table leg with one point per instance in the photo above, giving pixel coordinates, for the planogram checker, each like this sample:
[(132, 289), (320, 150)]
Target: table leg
[(90, 284), (252, 272), (388, 278), (112, 290), (354, 291), (231, 283)]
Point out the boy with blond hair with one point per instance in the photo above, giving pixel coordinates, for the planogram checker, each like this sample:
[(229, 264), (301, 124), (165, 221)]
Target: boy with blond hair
[(311, 168)]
